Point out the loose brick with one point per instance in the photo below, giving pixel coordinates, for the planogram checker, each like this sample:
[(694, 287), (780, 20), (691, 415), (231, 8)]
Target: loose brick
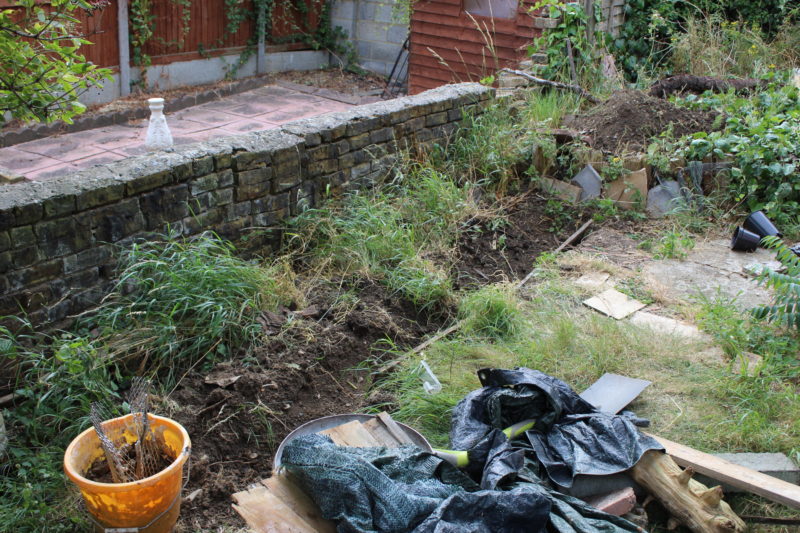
[(616, 503)]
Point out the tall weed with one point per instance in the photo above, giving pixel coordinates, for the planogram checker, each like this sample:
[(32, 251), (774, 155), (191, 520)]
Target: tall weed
[(711, 46), (59, 378), (390, 234), (177, 301)]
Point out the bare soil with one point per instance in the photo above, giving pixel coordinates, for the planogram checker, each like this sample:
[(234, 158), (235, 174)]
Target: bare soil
[(239, 411), (628, 121), (505, 248)]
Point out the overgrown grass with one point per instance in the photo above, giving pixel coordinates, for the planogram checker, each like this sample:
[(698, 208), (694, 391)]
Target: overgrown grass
[(491, 311), (699, 396), (392, 234), (59, 379), (178, 301), (711, 46)]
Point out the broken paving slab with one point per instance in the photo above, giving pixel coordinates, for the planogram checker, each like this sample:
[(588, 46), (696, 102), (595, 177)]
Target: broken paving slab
[(614, 304), (561, 189), (666, 325), (593, 280), (714, 271), (664, 198), (612, 392), (628, 191), (589, 181)]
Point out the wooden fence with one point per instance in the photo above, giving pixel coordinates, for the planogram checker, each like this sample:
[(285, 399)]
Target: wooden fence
[(206, 34)]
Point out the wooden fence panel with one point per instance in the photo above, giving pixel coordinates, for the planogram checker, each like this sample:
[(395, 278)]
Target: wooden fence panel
[(206, 35)]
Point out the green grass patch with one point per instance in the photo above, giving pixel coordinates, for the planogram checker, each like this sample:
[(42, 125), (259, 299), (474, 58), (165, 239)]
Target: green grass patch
[(402, 234), (58, 381), (178, 301), (698, 396), (491, 311)]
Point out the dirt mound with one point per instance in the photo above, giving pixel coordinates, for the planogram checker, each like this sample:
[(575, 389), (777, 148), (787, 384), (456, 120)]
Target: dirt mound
[(490, 251), (239, 411), (628, 120)]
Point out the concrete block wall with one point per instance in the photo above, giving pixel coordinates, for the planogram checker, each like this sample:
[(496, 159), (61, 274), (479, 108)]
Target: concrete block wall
[(59, 238), (373, 30)]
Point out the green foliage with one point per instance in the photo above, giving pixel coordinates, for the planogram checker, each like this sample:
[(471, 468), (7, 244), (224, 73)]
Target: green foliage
[(674, 244), (390, 233), (492, 311), (645, 43), (58, 381), (762, 138), (487, 149), (761, 399), (572, 25), (142, 25), (41, 72), (785, 308), (709, 46), (178, 301)]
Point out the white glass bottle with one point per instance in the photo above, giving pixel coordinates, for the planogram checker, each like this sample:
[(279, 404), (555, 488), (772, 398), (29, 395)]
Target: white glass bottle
[(158, 135)]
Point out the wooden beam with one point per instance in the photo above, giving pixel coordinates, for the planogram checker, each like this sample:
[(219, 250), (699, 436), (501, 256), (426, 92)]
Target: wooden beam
[(741, 477)]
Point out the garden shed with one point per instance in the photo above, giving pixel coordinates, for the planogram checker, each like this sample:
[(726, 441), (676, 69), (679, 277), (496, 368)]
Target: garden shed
[(466, 40)]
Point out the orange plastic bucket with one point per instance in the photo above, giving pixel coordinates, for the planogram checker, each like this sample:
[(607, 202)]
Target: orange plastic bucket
[(150, 505)]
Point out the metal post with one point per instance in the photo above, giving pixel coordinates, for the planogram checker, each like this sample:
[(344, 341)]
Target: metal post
[(124, 48)]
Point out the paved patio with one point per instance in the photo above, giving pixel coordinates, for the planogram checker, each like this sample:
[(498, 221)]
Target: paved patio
[(260, 109)]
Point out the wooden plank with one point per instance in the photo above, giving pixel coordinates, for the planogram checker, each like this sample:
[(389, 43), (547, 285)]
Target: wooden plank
[(351, 434), (266, 513), (396, 431), (298, 501), (769, 487), (381, 434)]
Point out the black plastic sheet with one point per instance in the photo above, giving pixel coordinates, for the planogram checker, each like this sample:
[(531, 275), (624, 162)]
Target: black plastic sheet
[(570, 436), (393, 490)]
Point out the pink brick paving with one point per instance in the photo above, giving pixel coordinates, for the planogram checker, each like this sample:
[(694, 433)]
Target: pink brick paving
[(260, 109)]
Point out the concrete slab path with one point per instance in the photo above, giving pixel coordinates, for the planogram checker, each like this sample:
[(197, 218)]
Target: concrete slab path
[(260, 109)]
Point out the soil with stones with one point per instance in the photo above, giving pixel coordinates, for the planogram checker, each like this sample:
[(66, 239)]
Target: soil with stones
[(627, 121), (505, 247), (311, 365)]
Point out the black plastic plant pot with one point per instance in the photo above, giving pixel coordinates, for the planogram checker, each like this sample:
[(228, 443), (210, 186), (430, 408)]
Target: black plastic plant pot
[(744, 241), (758, 223)]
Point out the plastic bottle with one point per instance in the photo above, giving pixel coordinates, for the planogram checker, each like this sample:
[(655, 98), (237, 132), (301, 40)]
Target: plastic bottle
[(430, 383), (158, 134)]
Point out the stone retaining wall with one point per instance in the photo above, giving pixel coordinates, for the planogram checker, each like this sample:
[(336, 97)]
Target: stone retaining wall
[(59, 238)]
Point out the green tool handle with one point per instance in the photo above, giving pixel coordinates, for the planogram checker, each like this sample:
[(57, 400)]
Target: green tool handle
[(461, 458), (512, 432)]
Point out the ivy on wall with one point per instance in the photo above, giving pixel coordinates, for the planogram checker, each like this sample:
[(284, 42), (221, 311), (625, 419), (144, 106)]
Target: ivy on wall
[(237, 12)]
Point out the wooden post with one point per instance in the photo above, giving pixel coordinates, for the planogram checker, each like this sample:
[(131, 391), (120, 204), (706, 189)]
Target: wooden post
[(124, 48), (588, 7), (261, 55)]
